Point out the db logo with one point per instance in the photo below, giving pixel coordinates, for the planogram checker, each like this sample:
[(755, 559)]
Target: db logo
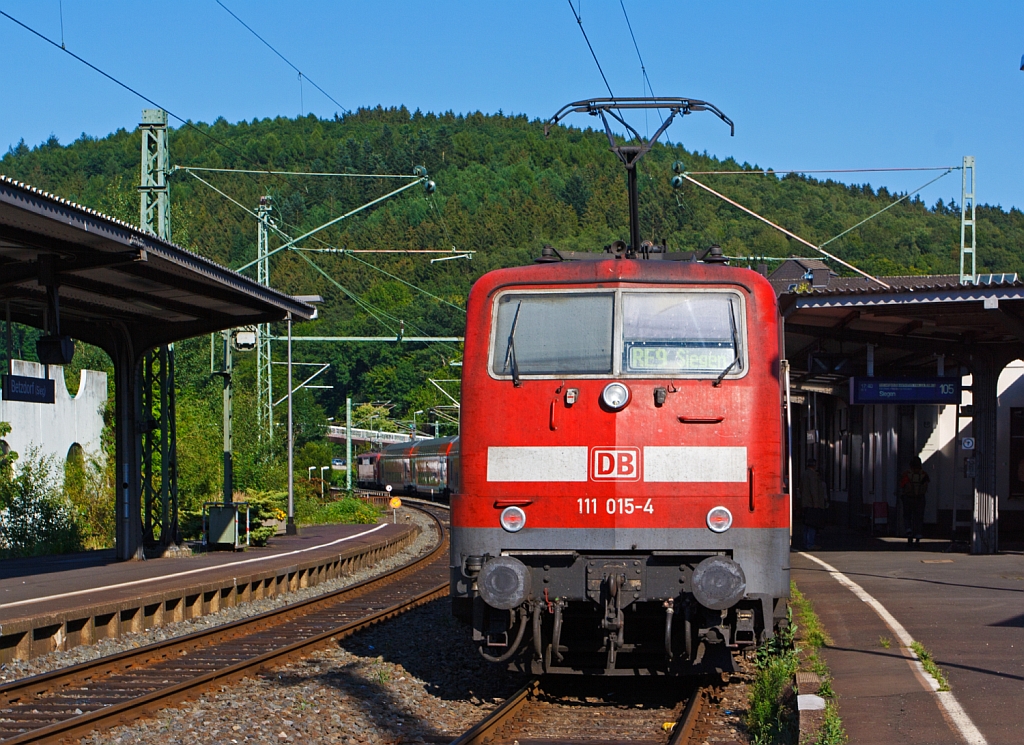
[(615, 463)]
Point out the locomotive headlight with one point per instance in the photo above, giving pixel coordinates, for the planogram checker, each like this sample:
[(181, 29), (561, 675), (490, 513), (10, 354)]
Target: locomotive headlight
[(512, 519), (719, 519), (615, 396)]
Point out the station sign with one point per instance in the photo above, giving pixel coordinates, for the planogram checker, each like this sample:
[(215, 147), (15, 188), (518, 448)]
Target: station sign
[(904, 390), (30, 390)]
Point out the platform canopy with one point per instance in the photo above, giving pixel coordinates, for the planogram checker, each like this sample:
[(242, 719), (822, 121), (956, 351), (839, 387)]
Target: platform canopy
[(77, 273), (839, 327), (907, 324), (116, 281)]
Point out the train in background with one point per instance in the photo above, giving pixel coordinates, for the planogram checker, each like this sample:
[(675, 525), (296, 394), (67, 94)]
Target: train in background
[(423, 468)]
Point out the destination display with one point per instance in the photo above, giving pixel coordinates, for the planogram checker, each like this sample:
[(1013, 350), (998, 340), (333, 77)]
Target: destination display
[(30, 390), (904, 390), (675, 357)]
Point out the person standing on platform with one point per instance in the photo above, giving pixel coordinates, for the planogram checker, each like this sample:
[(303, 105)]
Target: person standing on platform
[(913, 488), (812, 499)]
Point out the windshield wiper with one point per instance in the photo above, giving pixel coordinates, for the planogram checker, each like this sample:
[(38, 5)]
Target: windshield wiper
[(510, 350), (735, 345)]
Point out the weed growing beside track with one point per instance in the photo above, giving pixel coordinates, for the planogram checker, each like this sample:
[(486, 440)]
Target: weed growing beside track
[(771, 718), (811, 637)]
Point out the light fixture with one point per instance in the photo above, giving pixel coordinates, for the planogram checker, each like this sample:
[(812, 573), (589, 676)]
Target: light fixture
[(615, 396), (513, 519), (719, 519)]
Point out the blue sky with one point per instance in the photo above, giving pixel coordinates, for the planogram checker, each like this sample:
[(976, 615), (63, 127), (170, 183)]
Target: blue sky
[(809, 84)]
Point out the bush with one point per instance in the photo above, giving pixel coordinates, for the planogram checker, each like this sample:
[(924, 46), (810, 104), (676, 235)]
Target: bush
[(89, 485), (36, 516), (348, 510), (775, 666)]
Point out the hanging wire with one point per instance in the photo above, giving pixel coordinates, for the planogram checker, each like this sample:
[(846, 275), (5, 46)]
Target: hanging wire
[(185, 122), (772, 171), (643, 68), (440, 217), (350, 254), (287, 238), (370, 309), (888, 207), (286, 60), (295, 173), (579, 21)]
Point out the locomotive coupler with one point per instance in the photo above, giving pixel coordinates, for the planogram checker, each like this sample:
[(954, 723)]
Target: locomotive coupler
[(614, 619)]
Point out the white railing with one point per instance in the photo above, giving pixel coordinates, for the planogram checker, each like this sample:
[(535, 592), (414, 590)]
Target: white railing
[(371, 435)]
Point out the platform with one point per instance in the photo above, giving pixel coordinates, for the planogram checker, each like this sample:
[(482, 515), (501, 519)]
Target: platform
[(58, 602), (968, 612)]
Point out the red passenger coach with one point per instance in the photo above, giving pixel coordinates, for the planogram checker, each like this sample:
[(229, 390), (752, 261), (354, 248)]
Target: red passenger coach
[(622, 507)]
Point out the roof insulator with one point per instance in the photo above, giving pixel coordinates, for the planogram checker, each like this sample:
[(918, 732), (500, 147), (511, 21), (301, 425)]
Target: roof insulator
[(715, 256)]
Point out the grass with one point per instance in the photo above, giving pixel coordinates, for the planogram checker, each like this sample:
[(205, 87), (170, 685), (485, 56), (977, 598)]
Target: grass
[(831, 732), (928, 663), (885, 642), (769, 719), (814, 636), (814, 633)]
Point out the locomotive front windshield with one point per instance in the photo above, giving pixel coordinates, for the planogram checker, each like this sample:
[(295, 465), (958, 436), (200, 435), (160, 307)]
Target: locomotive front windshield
[(688, 333), (554, 333), (619, 332)]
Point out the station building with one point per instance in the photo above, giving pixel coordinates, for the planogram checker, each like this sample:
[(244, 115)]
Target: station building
[(922, 366)]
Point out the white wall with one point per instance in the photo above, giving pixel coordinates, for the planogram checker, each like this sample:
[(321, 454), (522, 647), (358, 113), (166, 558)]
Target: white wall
[(1011, 395), (53, 428)]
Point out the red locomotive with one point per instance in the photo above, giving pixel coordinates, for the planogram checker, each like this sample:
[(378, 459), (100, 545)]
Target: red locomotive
[(622, 508), (622, 495)]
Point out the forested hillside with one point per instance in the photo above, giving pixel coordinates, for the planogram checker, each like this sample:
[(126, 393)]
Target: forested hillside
[(503, 191)]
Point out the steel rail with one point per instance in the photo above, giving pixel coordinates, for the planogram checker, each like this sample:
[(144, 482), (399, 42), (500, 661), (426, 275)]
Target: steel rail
[(516, 708), (484, 730), (32, 694)]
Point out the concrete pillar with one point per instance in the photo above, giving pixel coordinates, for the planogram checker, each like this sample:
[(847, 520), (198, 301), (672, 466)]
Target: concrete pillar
[(985, 531)]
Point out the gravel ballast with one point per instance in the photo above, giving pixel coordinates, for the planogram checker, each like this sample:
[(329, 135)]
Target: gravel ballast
[(416, 678)]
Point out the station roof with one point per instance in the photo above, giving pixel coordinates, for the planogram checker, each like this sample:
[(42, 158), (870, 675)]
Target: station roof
[(910, 322), (112, 274)]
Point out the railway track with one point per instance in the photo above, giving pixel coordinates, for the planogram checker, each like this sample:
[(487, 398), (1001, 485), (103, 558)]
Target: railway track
[(547, 711), (70, 702)]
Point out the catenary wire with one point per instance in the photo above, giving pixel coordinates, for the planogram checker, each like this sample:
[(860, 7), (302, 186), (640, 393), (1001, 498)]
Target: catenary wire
[(359, 301), (579, 20), (887, 207), (643, 68), (772, 171), (295, 173), (366, 306), (782, 229), (128, 88), (185, 122), (286, 60)]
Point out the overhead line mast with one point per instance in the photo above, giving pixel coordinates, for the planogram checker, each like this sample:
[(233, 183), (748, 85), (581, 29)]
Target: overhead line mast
[(159, 469)]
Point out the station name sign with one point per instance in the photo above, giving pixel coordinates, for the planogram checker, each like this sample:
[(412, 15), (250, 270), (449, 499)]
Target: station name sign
[(904, 390), (30, 390)]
